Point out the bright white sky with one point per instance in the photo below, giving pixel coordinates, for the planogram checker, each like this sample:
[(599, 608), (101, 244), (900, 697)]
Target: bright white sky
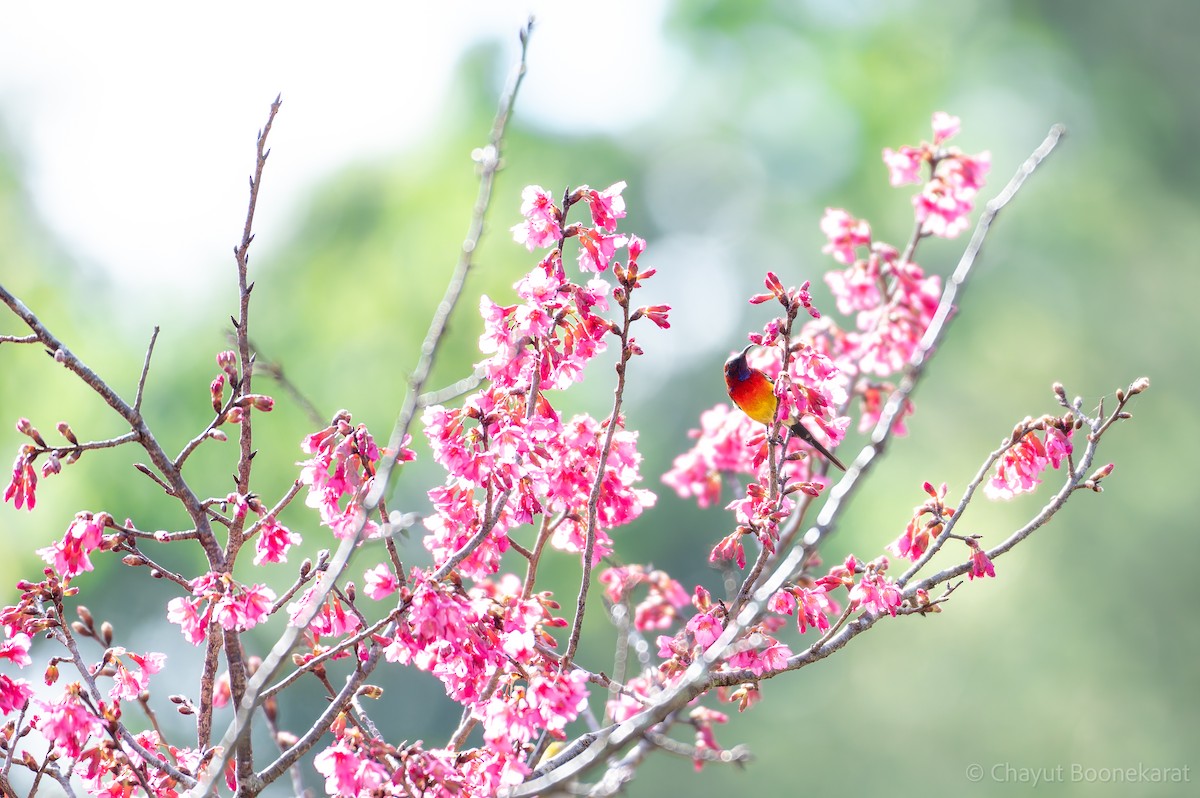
[(136, 126)]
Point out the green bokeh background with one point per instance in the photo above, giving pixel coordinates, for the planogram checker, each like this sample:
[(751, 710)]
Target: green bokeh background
[(1081, 653)]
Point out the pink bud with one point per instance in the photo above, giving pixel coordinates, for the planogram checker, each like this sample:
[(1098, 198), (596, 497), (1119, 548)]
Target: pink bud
[(64, 429)]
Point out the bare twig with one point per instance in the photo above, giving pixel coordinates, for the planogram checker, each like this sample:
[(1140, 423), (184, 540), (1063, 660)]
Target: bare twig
[(141, 386), (19, 339)]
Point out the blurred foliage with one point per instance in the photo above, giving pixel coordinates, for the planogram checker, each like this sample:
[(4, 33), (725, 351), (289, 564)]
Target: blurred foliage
[(1081, 651)]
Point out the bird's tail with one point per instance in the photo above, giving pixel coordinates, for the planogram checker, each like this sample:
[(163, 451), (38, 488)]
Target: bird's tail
[(801, 432)]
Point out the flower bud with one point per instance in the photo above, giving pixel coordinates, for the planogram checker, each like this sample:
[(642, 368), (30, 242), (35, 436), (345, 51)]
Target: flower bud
[(217, 390), (227, 361), (64, 429)]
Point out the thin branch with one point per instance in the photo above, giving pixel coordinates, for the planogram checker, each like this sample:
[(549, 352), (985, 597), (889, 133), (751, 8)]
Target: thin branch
[(489, 159), (593, 505), (452, 391), (141, 386), (108, 443), (322, 724), (178, 487)]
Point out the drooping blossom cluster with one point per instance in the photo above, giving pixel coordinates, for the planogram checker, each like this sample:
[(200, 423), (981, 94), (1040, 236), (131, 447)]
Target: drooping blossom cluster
[(340, 472), (222, 599), (1021, 465), (920, 532), (22, 486), (70, 556), (510, 459), (76, 721)]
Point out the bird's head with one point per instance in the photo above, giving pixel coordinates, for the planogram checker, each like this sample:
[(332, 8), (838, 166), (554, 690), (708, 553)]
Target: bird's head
[(736, 367)]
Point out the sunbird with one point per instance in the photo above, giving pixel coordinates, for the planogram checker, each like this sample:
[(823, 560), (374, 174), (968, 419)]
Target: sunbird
[(753, 392)]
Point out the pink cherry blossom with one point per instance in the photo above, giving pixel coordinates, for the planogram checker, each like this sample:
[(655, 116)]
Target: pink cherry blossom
[(596, 249), (981, 564), (16, 650), (274, 540), (703, 719), (904, 165), (772, 655), (1019, 468), (66, 722), (128, 683), (347, 772), (705, 628), (221, 599), (22, 488), (845, 233), (13, 693), (945, 126), (607, 206), (192, 615), (542, 225), (875, 594), (379, 582), (720, 449), (69, 556)]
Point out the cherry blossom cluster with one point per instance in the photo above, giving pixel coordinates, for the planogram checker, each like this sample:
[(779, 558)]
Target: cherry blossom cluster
[(22, 487), (817, 368), (513, 464), (522, 485)]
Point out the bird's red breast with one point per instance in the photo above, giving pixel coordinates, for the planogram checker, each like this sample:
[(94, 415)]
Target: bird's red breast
[(750, 389)]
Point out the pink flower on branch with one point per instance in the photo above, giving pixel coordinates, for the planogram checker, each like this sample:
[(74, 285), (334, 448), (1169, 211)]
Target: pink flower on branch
[(274, 540), (218, 597), (69, 556), (948, 195), (66, 722), (607, 206), (846, 235), (920, 532), (22, 488), (13, 693), (379, 582), (129, 683), (341, 468), (1019, 468), (874, 593), (543, 220), (981, 564)]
